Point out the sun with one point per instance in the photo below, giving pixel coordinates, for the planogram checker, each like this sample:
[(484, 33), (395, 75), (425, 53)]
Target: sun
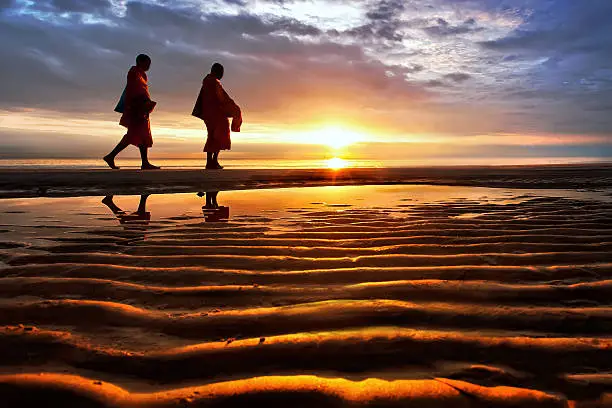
[(335, 137), (336, 163)]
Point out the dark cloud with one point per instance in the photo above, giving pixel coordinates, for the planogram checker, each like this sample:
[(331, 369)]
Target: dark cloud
[(294, 26), (571, 42), (442, 28), (383, 22), (414, 68), (6, 4), (81, 68), (236, 2), (436, 83), (376, 31), (82, 6), (563, 28), (386, 10), (69, 6), (550, 74), (458, 76)]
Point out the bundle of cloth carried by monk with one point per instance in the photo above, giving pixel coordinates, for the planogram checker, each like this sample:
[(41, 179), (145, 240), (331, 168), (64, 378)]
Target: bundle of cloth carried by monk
[(121, 104), (236, 122)]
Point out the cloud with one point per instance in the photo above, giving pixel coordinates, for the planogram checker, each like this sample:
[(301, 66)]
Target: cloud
[(385, 10), (414, 68), (6, 4), (385, 64), (458, 76), (78, 6), (382, 22), (83, 66), (564, 49), (241, 3), (442, 28), (436, 83)]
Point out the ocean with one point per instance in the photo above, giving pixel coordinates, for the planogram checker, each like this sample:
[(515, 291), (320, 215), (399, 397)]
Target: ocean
[(335, 162)]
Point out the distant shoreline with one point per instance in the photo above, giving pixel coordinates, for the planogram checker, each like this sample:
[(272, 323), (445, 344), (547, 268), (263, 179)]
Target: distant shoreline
[(197, 163), (16, 183)]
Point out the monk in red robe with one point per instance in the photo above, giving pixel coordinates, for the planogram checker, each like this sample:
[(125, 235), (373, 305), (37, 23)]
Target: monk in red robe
[(135, 106), (214, 107)]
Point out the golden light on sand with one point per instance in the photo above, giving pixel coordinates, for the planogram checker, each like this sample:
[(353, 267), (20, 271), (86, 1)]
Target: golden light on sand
[(361, 245), (336, 163)]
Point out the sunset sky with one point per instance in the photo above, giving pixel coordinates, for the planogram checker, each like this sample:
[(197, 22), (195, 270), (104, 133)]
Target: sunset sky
[(361, 78)]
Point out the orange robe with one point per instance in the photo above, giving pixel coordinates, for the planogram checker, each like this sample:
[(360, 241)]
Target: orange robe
[(214, 107), (138, 106)]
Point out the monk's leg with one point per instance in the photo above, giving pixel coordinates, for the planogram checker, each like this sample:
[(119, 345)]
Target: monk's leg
[(214, 199), (110, 158), (144, 157), (210, 163), (142, 206), (216, 160)]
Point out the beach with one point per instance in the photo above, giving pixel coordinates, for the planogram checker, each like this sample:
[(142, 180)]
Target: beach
[(439, 287), (306, 204), (77, 182)]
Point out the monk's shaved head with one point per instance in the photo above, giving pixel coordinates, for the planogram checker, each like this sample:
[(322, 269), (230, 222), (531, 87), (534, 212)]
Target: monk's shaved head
[(143, 61), (141, 58), (217, 70)]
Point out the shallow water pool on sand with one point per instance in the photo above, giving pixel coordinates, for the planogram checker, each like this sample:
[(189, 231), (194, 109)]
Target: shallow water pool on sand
[(473, 286)]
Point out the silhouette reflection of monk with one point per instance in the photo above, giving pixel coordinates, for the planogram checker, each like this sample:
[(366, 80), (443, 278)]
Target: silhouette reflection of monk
[(212, 211), (139, 218)]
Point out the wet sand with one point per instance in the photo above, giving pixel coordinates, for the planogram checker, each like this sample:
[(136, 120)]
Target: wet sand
[(411, 296), (49, 182)]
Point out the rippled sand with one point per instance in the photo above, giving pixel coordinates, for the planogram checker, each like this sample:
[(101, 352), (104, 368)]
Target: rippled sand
[(340, 296)]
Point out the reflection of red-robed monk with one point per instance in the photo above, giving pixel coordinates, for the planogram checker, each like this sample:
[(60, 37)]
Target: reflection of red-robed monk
[(135, 105), (214, 107)]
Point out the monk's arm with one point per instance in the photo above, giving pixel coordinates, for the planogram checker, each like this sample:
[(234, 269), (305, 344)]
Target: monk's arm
[(228, 105)]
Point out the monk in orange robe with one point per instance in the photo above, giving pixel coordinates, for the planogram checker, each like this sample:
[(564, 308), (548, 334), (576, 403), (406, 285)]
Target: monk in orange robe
[(135, 106), (214, 107)]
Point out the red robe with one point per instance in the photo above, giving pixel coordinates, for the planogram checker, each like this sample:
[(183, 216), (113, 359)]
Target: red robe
[(214, 107), (138, 105)]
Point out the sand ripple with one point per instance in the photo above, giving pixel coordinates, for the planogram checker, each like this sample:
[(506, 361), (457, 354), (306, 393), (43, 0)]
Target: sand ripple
[(456, 303)]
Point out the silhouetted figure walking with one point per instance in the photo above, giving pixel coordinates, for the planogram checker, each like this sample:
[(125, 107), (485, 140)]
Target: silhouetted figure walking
[(135, 105), (214, 107)]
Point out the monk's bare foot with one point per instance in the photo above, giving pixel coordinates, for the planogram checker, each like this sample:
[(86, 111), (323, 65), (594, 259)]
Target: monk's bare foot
[(149, 166), (218, 166), (111, 162), (108, 200)]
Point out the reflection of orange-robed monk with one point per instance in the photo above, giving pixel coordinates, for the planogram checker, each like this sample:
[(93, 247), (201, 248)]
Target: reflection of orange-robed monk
[(214, 107), (135, 105)]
